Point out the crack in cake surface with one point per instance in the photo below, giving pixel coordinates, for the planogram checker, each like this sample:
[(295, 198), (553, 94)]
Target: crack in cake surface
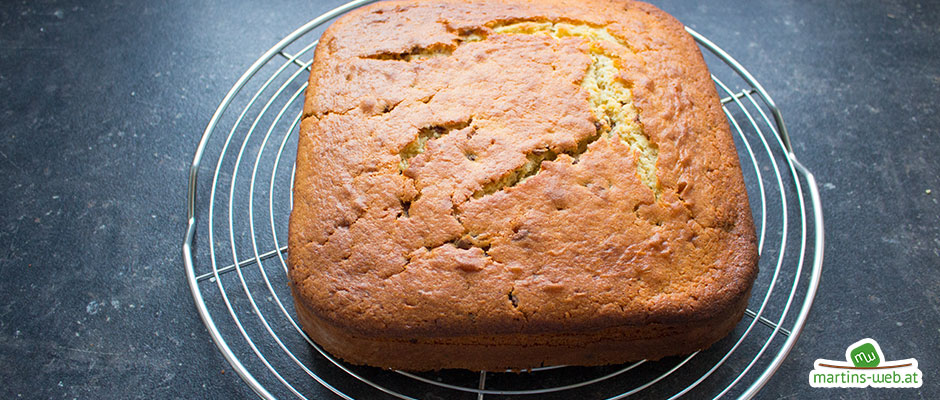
[(426, 134), (533, 165), (415, 53), (611, 101)]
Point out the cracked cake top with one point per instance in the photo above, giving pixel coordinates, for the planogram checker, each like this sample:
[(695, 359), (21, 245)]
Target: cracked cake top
[(519, 167)]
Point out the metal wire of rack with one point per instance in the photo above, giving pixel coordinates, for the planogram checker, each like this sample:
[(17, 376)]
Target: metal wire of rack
[(234, 249)]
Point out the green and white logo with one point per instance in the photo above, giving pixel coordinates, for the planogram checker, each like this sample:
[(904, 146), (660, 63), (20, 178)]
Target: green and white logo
[(865, 366)]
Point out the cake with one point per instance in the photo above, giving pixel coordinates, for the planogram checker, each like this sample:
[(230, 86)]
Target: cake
[(508, 184)]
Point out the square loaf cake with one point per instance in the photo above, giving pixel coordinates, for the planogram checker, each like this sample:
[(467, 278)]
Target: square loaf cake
[(509, 184)]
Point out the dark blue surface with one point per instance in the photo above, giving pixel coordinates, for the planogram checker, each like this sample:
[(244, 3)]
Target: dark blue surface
[(103, 106)]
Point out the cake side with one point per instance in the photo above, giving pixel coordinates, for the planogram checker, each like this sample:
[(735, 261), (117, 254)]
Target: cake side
[(515, 170), (519, 352)]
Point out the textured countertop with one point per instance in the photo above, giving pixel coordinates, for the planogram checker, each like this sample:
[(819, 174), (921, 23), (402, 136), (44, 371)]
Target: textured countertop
[(103, 106)]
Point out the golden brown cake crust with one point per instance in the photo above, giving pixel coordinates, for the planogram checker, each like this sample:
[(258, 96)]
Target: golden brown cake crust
[(515, 175)]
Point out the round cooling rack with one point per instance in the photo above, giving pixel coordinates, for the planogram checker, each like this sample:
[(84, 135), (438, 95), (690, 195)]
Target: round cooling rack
[(235, 250)]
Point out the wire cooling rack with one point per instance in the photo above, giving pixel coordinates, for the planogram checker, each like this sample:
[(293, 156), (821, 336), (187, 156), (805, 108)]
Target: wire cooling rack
[(234, 254)]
